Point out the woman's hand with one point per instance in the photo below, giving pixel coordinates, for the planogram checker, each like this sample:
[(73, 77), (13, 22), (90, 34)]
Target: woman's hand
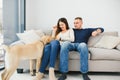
[(55, 28)]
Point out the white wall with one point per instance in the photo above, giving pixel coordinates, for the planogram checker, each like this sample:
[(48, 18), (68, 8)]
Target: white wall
[(0, 3), (0, 16), (0, 12), (44, 14)]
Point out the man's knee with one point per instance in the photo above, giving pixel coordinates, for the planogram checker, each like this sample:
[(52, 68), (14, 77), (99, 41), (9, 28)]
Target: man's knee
[(82, 45)]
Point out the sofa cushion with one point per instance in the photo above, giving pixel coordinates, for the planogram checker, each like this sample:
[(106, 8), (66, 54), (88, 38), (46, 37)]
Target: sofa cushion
[(118, 47), (75, 55), (47, 32), (93, 40), (108, 42), (28, 36), (39, 32), (17, 43), (104, 54)]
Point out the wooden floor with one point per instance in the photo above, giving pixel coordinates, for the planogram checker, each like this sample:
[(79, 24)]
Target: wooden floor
[(71, 76)]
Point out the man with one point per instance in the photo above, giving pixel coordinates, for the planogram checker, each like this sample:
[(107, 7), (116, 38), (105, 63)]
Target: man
[(80, 44)]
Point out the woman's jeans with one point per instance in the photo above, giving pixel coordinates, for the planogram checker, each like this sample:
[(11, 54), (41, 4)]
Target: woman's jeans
[(64, 56), (50, 53)]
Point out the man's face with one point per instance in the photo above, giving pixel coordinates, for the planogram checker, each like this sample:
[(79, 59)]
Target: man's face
[(78, 24)]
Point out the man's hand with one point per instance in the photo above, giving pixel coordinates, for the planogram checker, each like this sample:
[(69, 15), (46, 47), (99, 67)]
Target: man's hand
[(96, 32)]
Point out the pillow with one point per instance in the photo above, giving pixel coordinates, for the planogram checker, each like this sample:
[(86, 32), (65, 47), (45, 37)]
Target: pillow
[(108, 42), (17, 43), (118, 46), (93, 40), (28, 36), (38, 32)]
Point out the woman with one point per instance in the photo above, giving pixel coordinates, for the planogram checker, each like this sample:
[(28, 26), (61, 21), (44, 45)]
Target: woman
[(61, 33)]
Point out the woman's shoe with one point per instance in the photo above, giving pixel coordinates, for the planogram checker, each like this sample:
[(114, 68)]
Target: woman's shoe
[(52, 74), (39, 76)]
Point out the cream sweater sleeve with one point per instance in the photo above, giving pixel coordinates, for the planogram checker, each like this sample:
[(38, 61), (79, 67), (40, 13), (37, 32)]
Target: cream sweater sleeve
[(68, 36)]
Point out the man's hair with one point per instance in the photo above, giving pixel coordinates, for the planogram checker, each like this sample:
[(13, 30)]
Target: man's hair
[(78, 18)]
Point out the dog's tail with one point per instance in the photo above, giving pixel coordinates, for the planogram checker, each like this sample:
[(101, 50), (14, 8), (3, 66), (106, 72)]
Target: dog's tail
[(6, 48)]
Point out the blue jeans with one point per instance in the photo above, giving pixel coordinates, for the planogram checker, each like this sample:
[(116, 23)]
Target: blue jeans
[(50, 53), (64, 56)]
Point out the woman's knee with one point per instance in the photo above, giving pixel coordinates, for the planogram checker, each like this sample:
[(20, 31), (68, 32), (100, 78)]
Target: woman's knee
[(47, 48), (65, 45), (55, 42)]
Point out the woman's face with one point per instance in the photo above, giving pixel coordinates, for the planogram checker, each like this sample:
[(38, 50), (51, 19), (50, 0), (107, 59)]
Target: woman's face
[(62, 26)]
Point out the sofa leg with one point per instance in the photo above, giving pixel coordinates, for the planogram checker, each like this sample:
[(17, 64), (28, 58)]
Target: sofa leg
[(19, 70)]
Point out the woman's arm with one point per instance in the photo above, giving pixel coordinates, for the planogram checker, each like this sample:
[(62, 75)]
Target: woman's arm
[(58, 36), (69, 37), (54, 32)]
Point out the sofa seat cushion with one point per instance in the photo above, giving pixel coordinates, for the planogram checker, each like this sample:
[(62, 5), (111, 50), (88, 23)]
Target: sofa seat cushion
[(74, 55), (104, 54)]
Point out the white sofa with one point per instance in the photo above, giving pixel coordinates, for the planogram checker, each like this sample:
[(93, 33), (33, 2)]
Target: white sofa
[(100, 59)]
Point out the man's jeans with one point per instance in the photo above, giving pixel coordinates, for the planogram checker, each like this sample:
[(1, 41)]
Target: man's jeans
[(64, 56), (49, 55)]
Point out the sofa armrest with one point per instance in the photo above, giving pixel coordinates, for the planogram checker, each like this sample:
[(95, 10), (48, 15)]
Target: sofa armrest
[(118, 47), (17, 42)]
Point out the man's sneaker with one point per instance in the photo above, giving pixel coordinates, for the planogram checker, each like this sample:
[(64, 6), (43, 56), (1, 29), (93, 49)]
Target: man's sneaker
[(85, 76), (62, 77)]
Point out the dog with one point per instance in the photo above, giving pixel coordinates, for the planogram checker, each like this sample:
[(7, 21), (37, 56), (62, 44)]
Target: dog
[(20, 52)]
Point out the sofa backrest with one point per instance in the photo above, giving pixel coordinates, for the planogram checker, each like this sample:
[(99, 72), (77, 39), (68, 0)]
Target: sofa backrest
[(47, 32), (93, 40)]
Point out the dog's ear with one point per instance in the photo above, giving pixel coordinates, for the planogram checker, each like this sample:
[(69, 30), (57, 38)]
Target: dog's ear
[(49, 39)]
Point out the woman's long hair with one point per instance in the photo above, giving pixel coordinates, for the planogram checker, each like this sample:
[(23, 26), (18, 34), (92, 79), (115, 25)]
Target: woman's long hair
[(64, 20)]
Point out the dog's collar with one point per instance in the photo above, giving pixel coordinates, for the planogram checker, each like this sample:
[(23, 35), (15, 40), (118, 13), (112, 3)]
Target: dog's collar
[(42, 42)]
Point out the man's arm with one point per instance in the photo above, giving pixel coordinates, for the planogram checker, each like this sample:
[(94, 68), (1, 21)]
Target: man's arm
[(97, 31)]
